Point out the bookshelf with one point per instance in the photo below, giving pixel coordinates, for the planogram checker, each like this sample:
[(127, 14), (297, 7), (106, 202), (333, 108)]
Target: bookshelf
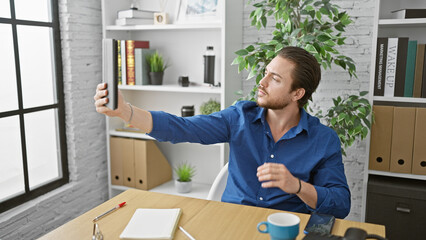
[(182, 46), (386, 26)]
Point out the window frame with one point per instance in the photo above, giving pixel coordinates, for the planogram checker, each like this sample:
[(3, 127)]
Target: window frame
[(59, 106)]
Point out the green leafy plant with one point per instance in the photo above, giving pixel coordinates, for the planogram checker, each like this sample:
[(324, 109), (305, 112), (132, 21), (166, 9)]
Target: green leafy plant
[(209, 107), (317, 26), (349, 118), (185, 172), (156, 62)]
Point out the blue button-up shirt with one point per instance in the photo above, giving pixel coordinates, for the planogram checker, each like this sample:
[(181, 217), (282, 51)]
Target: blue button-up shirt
[(310, 151)]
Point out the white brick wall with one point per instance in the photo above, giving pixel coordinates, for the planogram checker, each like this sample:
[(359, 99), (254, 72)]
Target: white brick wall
[(336, 82), (81, 34)]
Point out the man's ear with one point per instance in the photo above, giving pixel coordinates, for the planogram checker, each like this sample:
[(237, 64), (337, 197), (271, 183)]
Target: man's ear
[(298, 94)]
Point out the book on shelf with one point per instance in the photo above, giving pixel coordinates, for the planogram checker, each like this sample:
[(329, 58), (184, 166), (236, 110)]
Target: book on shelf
[(148, 223), (410, 68), (392, 51), (130, 58), (123, 62), (129, 128), (418, 74), (381, 55), (424, 78), (396, 67), (409, 13), (119, 59), (135, 13), (134, 21), (401, 64), (110, 71), (141, 66)]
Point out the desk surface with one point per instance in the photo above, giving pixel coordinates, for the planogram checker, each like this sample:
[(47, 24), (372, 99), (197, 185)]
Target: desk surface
[(203, 219)]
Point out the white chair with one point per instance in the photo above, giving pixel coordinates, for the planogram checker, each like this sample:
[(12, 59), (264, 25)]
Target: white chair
[(219, 184)]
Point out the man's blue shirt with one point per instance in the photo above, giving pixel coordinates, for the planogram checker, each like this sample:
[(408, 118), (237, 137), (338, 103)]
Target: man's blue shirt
[(310, 151)]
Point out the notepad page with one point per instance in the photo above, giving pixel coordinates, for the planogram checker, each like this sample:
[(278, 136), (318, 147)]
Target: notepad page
[(147, 223)]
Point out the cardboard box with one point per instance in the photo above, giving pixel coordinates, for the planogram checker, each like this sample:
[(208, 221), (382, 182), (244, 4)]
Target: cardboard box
[(419, 149), (402, 139), (381, 138)]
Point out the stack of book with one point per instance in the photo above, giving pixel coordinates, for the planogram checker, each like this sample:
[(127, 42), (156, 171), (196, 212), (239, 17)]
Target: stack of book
[(128, 60), (134, 17), (400, 68), (131, 60)]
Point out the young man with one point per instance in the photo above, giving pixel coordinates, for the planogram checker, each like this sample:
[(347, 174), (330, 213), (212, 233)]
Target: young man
[(280, 156)]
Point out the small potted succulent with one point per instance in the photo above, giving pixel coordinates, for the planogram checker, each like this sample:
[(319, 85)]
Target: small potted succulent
[(185, 172), (156, 68)]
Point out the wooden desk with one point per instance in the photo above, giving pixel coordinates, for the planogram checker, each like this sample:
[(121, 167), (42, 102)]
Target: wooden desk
[(203, 219)]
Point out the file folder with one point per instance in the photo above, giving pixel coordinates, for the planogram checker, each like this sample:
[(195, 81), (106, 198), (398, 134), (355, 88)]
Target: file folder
[(419, 150), (402, 139), (151, 167), (127, 155), (381, 137), (116, 161)]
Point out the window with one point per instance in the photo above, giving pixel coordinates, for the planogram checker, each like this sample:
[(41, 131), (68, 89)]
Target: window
[(33, 157)]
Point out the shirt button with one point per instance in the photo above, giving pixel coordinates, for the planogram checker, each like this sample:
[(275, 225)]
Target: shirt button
[(261, 198), (272, 156)]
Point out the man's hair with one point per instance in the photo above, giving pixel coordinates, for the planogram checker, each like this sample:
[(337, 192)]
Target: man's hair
[(306, 73)]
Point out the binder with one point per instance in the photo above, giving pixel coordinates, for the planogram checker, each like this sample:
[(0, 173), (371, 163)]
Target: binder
[(116, 163), (419, 149), (402, 139), (127, 155), (381, 136), (151, 167)]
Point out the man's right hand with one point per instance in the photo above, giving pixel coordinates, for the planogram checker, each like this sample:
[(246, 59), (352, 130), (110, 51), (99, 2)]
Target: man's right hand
[(101, 99)]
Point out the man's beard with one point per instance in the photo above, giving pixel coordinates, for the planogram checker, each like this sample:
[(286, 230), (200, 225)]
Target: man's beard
[(274, 105)]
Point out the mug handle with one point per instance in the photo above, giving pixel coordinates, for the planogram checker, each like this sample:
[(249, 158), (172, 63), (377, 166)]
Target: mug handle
[(266, 227)]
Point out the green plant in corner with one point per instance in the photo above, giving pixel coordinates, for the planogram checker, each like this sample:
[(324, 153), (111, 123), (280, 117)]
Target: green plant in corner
[(185, 172), (316, 26), (156, 63), (209, 107)]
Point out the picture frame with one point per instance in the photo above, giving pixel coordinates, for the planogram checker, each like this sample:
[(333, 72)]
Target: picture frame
[(198, 11)]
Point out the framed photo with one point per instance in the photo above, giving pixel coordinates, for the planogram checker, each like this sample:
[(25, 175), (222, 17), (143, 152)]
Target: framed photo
[(198, 11)]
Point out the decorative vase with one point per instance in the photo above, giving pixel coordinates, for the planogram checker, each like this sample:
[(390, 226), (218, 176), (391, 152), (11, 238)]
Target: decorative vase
[(156, 78), (183, 187)]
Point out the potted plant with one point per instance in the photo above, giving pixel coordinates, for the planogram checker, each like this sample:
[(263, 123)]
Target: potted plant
[(316, 26), (156, 68), (185, 172), (209, 107)]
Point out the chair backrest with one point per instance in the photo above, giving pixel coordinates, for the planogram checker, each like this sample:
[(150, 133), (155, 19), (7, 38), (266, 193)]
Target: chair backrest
[(219, 184)]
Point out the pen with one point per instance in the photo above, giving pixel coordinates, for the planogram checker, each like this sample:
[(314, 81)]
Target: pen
[(186, 233), (109, 211)]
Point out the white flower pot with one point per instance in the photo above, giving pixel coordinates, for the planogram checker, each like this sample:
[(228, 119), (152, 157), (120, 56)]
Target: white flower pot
[(183, 187)]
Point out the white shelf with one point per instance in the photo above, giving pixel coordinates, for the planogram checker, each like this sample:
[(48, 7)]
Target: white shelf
[(165, 27), (199, 190), (399, 175), (399, 99), (412, 22), (173, 88), (130, 135)]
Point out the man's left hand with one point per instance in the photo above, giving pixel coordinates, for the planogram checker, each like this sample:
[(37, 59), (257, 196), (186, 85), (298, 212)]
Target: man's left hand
[(277, 175)]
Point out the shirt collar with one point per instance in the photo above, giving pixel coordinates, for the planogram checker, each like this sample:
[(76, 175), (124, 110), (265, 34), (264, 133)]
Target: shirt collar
[(302, 125)]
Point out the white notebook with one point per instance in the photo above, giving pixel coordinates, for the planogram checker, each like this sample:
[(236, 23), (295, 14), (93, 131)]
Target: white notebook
[(148, 223)]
